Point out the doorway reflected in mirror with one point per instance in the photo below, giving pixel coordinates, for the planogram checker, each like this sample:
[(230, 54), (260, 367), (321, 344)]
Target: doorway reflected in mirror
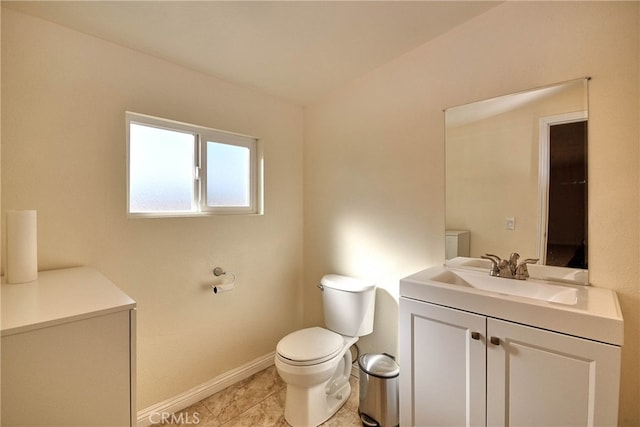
[(567, 225)]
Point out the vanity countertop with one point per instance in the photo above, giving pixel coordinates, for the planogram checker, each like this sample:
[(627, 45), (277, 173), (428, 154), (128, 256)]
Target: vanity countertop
[(60, 296), (596, 314)]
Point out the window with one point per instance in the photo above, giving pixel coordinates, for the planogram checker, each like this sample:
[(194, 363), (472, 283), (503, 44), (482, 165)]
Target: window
[(177, 169)]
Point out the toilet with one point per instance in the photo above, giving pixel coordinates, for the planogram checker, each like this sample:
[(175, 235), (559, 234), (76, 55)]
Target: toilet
[(315, 363)]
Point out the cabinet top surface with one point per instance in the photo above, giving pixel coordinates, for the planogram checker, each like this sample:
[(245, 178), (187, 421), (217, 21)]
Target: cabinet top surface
[(582, 311), (60, 296)]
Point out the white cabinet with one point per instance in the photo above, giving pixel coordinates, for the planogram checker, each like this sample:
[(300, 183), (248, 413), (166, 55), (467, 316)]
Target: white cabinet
[(68, 351), (467, 369)]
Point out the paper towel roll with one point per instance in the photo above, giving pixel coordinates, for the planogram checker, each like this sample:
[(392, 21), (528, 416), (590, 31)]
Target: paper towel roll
[(22, 246)]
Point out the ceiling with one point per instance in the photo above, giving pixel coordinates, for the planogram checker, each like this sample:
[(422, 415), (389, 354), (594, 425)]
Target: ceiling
[(296, 50)]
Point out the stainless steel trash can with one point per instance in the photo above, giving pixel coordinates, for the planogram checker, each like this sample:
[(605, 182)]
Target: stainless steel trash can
[(378, 390)]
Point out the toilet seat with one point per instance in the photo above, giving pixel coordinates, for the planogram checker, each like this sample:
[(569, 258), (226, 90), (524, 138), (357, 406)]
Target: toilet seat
[(310, 346)]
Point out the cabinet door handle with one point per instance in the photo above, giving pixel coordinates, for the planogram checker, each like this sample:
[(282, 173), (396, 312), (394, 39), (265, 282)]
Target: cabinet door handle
[(495, 340), (475, 335)]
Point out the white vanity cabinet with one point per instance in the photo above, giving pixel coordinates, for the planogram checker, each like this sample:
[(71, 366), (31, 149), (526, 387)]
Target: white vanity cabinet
[(469, 369), (68, 351)]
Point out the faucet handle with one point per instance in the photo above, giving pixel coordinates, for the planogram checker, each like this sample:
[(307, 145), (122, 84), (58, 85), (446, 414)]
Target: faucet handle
[(522, 272), (496, 258), (495, 261)]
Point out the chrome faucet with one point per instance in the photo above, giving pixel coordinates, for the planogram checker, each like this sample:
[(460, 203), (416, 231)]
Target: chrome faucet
[(509, 268)]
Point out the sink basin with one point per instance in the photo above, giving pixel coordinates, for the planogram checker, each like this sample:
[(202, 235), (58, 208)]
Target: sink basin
[(521, 288), (575, 276)]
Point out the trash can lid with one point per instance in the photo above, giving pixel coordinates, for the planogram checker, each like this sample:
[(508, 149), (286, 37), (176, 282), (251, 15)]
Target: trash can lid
[(379, 365)]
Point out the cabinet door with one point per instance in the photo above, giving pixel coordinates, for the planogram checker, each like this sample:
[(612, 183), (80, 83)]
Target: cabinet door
[(443, 362), (73, 374), (542, 378)]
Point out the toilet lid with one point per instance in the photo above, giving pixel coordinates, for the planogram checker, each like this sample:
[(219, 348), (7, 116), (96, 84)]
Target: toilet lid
[(311, 345)]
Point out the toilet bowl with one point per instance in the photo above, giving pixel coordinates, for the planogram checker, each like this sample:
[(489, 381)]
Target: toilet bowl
[(315, 363), (318, 386)]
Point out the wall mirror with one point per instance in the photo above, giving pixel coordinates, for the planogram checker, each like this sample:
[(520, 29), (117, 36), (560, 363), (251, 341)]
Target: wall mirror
[(516, 176)]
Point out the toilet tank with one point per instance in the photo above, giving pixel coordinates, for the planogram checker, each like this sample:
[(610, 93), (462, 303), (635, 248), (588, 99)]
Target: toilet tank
[(456, 243), (348, 305)]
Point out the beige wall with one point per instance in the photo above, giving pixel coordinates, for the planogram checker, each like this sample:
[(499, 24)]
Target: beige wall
[(64, 95), (373, 177), (1, 229), (373, 158)]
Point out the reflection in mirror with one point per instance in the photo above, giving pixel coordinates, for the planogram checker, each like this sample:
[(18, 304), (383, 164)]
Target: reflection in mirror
[(516, 176)]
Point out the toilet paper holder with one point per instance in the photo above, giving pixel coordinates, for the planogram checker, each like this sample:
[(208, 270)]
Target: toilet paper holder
[(217, 272)]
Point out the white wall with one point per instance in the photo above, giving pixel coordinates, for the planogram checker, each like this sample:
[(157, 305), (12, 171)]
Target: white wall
[(373, 158), (64, 95)]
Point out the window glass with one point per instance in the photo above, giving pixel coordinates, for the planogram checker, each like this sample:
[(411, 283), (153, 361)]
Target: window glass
[(228, 175), (161, 169)]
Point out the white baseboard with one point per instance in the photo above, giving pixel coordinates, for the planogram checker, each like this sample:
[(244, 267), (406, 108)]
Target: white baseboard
[(204, 390)]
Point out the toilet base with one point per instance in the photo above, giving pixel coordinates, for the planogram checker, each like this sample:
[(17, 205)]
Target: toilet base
[(310, 407), (316, 392)]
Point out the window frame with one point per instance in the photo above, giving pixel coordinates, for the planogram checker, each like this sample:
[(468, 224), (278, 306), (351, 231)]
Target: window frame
[(202, 135)]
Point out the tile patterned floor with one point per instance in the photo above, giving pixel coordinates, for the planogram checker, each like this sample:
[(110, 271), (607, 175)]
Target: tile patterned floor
[(258, 401)]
